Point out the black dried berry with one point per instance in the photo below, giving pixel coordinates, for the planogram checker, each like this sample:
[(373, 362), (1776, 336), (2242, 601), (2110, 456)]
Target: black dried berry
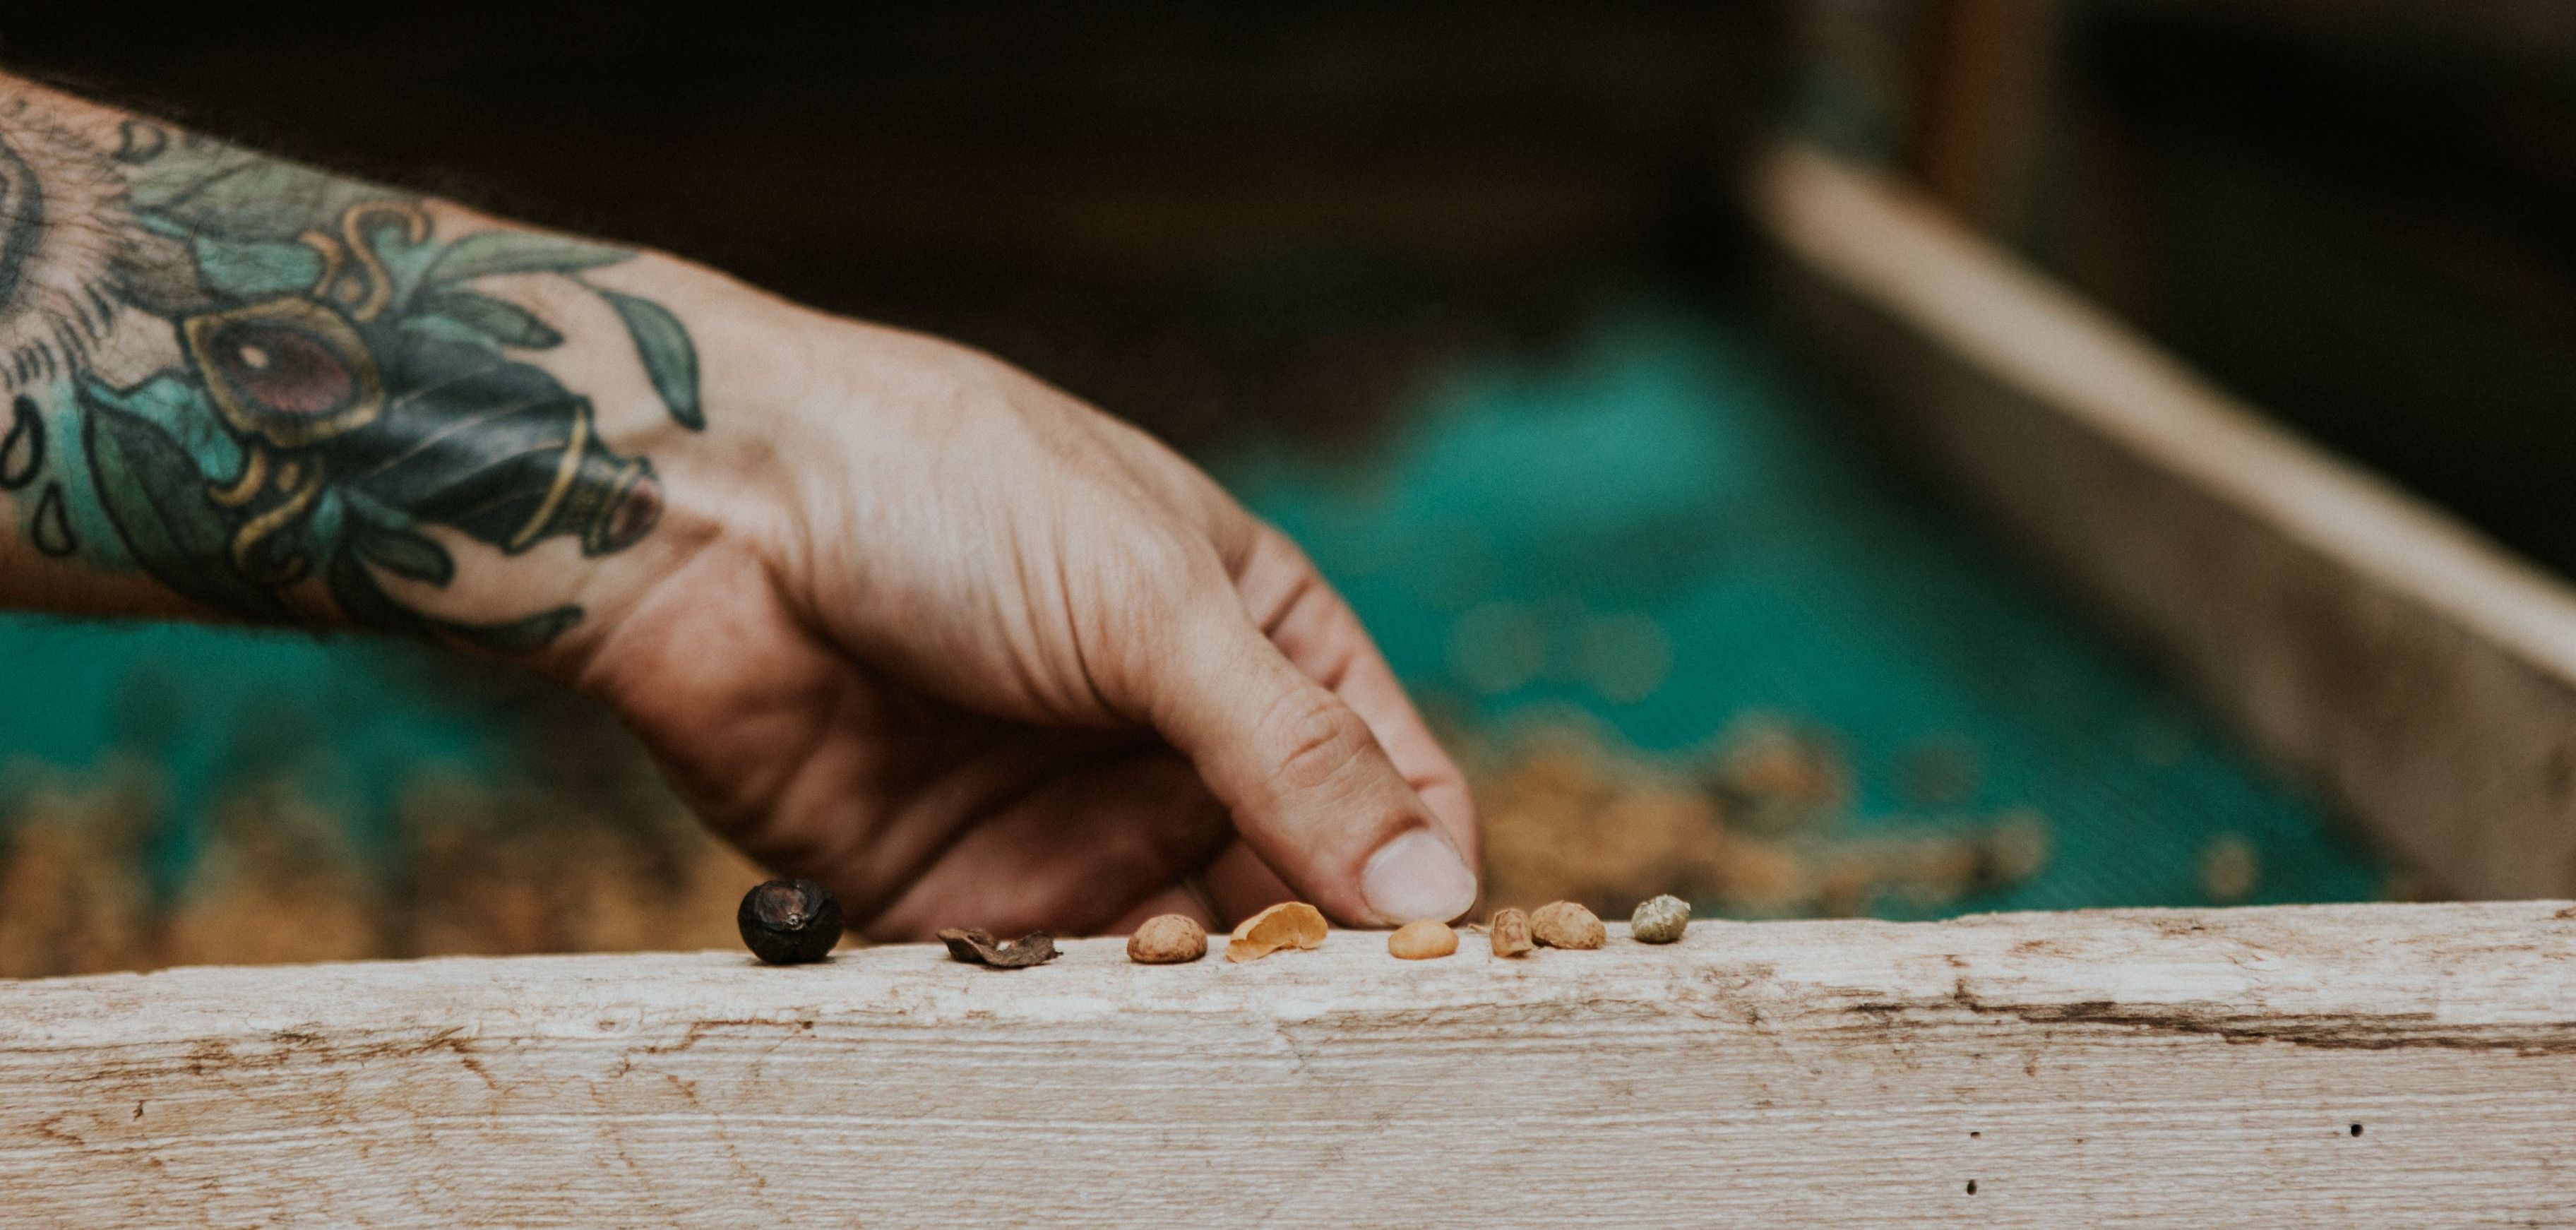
[(788, 922)]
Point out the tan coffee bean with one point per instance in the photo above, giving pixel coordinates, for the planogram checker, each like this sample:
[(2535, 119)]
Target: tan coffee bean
[(1659, 920), (1421, 941), (1564, 924), (1167, 939), (1289, 924), (1510, 932)]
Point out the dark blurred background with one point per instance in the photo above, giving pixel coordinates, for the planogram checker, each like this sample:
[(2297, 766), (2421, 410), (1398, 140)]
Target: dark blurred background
[(1202, 216), (2358, 214), (1460, 295)]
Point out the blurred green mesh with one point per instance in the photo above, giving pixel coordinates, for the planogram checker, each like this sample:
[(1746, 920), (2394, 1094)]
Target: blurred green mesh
[(1674, 484)]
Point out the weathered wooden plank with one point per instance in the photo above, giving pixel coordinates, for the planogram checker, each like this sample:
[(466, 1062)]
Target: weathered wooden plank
[(2420, 674), (2339, 1066)]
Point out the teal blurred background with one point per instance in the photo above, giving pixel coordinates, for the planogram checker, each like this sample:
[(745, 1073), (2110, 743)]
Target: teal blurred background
[(1673, 486), (1649, 529)]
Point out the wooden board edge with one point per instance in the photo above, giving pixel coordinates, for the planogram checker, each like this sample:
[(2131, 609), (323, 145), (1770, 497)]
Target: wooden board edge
[(2027, 1070)]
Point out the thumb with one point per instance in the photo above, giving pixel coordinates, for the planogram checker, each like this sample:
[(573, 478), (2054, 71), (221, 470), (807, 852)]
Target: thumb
[(1311, 790)]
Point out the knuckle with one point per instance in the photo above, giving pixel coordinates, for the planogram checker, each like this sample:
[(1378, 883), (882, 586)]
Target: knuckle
[(1273, 547), (1156, 580), (1316, 738), (1167, 563)]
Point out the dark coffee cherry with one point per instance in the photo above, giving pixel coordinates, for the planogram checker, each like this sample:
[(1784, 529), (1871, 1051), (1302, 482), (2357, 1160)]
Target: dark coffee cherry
[(789, 922)]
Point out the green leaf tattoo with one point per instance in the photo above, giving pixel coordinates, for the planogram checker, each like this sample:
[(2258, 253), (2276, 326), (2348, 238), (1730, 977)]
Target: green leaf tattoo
[(668, 357), (498, 319), (409, 554), (349, 416), (526, 635), (147, 483), (255, 270), (498, 252)]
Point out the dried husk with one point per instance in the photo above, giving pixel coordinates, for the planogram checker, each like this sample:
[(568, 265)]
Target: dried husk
[(1510, 932), (978, 947), (1289, 924)]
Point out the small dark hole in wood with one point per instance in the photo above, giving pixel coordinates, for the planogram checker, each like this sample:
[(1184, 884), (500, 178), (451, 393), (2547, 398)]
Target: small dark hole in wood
[(1972, 1187), (2356, 1129), (1975, 1135)]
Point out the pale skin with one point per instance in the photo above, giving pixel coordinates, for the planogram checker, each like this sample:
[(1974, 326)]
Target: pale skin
[(889, 612)]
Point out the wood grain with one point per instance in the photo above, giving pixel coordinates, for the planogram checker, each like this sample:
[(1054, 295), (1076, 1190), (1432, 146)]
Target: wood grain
[(2164, 1068), (2368, 642)]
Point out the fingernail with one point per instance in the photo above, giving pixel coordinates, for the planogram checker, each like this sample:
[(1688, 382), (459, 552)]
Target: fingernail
[(1418, 875)]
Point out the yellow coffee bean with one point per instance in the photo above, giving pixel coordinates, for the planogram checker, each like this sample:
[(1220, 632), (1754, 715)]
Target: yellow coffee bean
[(1421, 941), (1167, 939)]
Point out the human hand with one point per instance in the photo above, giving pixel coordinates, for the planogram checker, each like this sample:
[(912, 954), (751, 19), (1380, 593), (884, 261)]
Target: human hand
[(974, 654), (892, 614)]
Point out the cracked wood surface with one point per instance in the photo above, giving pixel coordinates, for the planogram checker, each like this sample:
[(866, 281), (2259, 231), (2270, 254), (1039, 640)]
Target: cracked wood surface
[(2195, 1068)]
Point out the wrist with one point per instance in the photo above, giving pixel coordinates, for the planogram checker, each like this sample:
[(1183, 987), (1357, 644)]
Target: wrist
[(818, 431), (682, 488)]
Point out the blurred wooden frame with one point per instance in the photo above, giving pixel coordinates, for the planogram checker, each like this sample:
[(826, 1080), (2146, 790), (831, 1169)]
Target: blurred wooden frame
[(2419, 674)]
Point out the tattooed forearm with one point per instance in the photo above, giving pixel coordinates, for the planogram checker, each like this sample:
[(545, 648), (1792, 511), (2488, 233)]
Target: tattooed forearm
[(271, 389)]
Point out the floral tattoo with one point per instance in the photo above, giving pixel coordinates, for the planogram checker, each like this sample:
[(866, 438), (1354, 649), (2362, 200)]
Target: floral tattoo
[(340, 383)]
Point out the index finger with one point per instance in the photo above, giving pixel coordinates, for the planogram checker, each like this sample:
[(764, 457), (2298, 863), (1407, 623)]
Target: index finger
[(1310, 623)]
